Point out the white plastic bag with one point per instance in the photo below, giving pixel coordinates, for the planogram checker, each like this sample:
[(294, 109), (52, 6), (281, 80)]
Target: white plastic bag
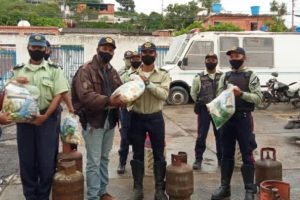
[(21, 101), (131, 90), (222, 107), (69, 130)]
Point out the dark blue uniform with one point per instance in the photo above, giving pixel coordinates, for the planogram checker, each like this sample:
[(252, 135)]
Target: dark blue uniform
[(125, 118)]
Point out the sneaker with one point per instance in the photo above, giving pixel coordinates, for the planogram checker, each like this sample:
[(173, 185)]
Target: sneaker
[(197, 165), (121, 169), (107, 196)]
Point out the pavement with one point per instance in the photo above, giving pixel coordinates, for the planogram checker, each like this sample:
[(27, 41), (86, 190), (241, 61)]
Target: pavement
[(181, 131)]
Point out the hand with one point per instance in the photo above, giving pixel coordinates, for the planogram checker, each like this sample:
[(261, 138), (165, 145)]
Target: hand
[(116, 101), (71, 110), (5, 118), (22, 80), (237, 91), (39, 120)]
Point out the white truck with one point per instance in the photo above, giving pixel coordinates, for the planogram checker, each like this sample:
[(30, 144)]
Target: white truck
[(266, 52)]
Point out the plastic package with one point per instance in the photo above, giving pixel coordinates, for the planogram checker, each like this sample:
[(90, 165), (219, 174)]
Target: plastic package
[(69, 130), (222, 107)]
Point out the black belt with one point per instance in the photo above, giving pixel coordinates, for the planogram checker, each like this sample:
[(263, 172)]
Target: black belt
[(147, 116)]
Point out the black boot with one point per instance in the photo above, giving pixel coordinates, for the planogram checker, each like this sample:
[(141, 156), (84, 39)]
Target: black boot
[(223, 191), (137, 168), (159, 174), (248, 177)]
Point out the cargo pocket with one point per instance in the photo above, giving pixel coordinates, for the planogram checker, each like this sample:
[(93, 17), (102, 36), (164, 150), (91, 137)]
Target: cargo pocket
[(48, 89)]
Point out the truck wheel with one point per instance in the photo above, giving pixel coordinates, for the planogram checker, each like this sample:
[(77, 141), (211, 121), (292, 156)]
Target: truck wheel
[(178, 96)]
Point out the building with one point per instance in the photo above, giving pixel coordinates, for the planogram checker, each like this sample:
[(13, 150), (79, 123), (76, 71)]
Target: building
[(27, 30), (244, 21), (106, 11)]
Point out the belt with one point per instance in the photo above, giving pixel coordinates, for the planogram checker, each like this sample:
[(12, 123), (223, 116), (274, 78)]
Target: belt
[(147, 116)]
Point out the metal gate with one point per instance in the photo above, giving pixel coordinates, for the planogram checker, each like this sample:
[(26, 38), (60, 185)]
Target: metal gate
[(7, 61), (161, 53), (70, 57)]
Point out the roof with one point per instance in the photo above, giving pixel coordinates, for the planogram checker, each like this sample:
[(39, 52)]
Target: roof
[(89, 31), (237, 15)]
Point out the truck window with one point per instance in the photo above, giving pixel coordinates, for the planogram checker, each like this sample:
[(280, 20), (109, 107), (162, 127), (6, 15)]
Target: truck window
[(194, 59), (226, 43), (259, 51)]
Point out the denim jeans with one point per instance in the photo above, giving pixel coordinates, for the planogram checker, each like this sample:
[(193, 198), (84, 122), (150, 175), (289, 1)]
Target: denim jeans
[(98, 144)]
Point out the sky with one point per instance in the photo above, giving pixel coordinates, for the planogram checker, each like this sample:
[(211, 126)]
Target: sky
[(234, 6)]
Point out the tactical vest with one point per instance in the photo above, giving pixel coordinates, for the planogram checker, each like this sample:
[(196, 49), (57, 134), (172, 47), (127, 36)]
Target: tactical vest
[(240, 79), (208, 88)]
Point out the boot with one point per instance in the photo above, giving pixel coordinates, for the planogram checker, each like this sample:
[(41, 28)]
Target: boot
[(159, 174), (223, 191), (137, 168), (248, 177)]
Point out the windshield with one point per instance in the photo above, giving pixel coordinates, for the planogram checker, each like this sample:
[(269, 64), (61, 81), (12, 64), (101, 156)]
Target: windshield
[(176, 49)]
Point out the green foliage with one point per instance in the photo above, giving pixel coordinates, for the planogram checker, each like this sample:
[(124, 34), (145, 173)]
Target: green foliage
[(194, 25), (208, 4), (126, 5), (276, 25), (224, 27)]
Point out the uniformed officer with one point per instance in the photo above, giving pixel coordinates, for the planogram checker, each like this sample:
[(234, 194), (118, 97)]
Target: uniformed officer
[(239, 127), (38, 141), (125, 116), (147, 117), (127, 64), (203, 91)]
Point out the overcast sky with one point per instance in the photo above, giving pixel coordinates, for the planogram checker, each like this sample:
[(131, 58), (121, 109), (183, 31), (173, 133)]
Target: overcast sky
[(235, 6)]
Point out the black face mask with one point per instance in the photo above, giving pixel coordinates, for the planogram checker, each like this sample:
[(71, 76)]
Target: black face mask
[(135, 64), (211, 66), (46, 57), (236, 63), (148, 60), (36, 55), (105, 57)]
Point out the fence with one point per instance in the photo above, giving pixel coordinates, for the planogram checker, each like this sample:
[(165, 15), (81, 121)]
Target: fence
[(7, 61)]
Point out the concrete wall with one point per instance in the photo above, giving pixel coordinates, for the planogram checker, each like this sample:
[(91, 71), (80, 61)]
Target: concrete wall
[(89, 42)]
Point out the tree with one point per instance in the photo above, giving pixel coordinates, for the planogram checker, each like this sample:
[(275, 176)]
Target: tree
[(127, 5), (274, 6), (208, 4), (277, 22)]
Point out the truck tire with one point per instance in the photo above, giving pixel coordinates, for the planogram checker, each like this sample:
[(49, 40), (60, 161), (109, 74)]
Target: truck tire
[(178, 96)]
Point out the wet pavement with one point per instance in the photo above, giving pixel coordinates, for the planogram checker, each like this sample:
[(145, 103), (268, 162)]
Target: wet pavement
[(181, 131)]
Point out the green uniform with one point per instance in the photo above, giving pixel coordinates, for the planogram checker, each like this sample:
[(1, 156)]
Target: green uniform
[(48, 77), (254, 96), (155, 94), (125, 76)]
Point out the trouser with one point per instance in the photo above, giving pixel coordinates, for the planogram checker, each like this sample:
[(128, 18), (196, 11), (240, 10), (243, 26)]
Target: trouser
[(155, 126), (125, 118), (239, 127), (204, 120), (37, 148)]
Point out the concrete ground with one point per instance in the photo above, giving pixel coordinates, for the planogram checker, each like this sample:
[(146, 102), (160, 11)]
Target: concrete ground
[(180, 136)]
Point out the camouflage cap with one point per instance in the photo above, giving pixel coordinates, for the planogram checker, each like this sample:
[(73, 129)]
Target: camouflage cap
[(37, 39), (107, 40)]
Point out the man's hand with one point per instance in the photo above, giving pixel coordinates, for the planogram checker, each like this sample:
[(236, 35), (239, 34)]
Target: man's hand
[(237, 91), (22, 80), (39, 120), (116, 101), (5, 118)]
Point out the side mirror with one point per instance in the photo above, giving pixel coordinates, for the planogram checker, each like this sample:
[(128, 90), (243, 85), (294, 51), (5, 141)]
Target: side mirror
[(185, 61), (179, 63), (275, 74)]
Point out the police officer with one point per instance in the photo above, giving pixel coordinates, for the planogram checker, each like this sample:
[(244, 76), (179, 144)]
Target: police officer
[(38, 141), (125, 116), (239, 127), (147, 117), (127, 64), (203, 91)]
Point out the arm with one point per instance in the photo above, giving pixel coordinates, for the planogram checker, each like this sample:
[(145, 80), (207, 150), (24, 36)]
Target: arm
[(255, 95), (160, 91), (66, 98), (221, 86), (195, 88)]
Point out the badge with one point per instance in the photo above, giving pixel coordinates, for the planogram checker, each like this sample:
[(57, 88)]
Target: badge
[(38, 37), (109, 40), (148, 45)]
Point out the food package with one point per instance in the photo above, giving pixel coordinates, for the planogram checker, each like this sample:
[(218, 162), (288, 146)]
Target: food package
[(131, 90), (21, 101), (222, 107), (69, 130)]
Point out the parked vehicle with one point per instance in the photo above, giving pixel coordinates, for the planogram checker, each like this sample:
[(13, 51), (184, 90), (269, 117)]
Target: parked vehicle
[(279, 92), (266, 52)]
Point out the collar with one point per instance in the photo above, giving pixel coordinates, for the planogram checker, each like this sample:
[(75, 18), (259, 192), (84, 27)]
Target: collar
[(242, 69), (97, 64), (140, 69), (43, 64), (206, 72)]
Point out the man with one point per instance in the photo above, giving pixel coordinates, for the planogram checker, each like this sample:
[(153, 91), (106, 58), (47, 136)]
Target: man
[(48, 50), (38, 141), (126, 59), (92, 86), (203, 91), (147, 117), (240, 126), (125, 116)]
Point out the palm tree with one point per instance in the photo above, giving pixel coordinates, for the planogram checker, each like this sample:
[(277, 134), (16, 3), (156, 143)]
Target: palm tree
[(282, 9), (208, 4)]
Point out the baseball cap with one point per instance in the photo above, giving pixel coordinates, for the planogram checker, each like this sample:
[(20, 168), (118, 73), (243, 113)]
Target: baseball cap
[(128, 54), (48, 43), (148, 46), (238, 50), (107, 40), (211, 55), (37, 39), (135, 54)]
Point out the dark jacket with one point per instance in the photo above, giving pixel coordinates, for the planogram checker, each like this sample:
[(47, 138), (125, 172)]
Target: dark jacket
[(91, 88)]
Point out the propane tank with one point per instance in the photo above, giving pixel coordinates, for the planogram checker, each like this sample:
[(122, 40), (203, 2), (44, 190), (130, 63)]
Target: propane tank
[(274, 190), (70, 153), (179, 179), (267, 168), (68, 183)]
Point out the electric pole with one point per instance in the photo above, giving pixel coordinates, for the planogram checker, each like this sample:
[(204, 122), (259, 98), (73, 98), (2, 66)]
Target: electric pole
[(293, 13)]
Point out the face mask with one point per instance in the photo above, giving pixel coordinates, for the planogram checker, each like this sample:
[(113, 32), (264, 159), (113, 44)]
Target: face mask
[(211, 66), (136, 65), (236, 63), (148, 60), (46, 57), (105, 57), (36, 55)]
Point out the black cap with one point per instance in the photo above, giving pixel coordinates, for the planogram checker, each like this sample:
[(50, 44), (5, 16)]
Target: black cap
[(148, 46), (211, 55), (128, 54), (107, 40), (37, 39), (238, 50)]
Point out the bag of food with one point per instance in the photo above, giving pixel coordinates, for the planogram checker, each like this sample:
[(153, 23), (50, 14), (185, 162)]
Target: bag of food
[(131, 90), (222, 107), (21, 101), (69, 130)]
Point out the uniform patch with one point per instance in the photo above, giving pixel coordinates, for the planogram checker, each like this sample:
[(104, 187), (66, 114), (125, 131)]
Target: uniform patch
[(254, 82)]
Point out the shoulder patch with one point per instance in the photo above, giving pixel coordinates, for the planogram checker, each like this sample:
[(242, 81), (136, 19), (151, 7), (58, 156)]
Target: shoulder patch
[(254, 82), (19, 66)]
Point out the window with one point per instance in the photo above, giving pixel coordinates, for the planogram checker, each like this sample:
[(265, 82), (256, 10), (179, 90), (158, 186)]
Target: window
[(259, 52), (226, 43), (253, 26), (194, 59)]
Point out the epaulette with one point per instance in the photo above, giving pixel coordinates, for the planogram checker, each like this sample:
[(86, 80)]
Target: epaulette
[(164, 70), (52, 64), (19, 66)]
